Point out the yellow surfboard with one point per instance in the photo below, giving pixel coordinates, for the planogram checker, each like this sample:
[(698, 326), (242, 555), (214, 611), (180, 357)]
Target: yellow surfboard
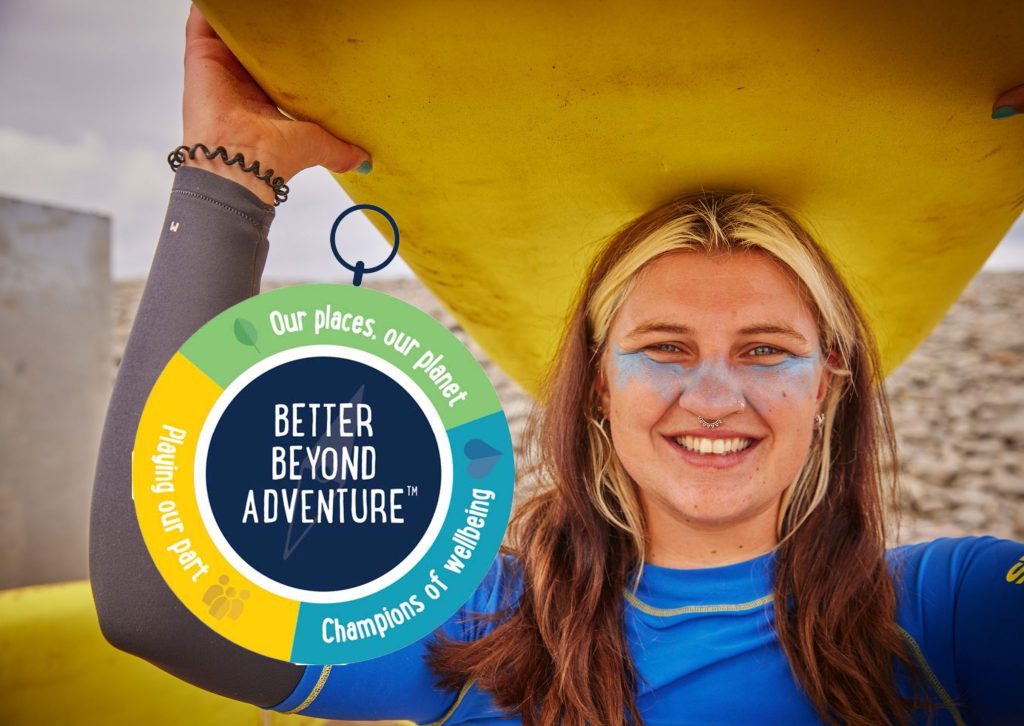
[(56, 668), (510, 138)]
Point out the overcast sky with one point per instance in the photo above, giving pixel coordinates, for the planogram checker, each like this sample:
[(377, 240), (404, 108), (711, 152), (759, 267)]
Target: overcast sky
[(90, 106)]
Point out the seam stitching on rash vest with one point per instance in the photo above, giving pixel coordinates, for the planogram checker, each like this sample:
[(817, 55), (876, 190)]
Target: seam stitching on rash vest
[(254, 283), (196, 195), (315, 692), (932, 678), (455, 706), (690, 609)]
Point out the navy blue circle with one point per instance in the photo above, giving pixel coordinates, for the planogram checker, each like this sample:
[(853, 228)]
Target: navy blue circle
[(360, 267), (325, 556)]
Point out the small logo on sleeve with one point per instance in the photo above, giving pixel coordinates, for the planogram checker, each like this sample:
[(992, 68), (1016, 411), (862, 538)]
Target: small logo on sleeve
[(1016, 573)]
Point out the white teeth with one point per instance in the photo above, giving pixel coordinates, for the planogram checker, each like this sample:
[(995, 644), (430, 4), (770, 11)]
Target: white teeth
[(713, 446)]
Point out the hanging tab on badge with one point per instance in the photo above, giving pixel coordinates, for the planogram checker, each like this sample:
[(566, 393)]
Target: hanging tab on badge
[(359, 268)]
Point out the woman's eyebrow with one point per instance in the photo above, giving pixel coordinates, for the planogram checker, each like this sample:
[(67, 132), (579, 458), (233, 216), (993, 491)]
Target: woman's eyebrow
[(773, 328), (659, 328), (760, 328)]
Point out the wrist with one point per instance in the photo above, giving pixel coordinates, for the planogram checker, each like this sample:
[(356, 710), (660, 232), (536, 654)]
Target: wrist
[(235, 174), (251, 180)]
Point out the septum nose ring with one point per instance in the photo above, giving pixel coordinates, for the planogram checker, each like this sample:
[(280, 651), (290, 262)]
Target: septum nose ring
[(709, 425)]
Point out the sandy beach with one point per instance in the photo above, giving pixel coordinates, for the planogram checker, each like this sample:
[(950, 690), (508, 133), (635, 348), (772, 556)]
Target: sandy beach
[(958, 407)]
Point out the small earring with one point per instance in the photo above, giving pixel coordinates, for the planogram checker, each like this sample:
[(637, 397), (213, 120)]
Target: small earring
[(819, 420)]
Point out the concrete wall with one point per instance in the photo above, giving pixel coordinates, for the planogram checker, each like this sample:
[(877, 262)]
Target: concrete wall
[(55, 380)]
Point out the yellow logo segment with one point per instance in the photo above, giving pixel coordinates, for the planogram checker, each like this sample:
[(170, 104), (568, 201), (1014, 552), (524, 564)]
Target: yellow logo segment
[(164, 492)]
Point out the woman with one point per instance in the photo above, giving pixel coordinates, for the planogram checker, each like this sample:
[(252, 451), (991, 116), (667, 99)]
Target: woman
[(709, 545)]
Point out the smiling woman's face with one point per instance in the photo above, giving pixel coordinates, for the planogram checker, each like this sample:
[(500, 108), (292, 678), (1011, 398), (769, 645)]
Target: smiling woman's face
[(725, 337)]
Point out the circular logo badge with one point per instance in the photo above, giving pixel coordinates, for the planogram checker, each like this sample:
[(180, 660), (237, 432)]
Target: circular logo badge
[(323, 474)]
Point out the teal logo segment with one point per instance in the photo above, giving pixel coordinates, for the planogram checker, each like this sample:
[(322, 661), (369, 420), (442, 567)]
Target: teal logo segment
[(445, 577)]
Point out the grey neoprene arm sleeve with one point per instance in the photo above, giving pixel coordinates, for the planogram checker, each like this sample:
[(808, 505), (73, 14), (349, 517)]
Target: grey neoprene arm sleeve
[(211, 255)]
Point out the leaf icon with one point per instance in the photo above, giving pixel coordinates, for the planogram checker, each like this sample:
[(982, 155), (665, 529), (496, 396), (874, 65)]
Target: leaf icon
[(245, 333)]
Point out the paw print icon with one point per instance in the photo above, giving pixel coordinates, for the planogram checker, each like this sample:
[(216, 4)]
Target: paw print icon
[(224, 600)]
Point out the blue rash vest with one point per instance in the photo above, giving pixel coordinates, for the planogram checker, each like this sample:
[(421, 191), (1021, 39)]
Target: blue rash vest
[(704, 648)]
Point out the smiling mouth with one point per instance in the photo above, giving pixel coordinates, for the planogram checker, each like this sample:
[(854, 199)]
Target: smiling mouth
[(707, 453), (719, 447)]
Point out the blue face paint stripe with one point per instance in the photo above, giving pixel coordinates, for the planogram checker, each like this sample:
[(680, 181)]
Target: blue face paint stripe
[(670, 380), (791, 363), (666, 378)]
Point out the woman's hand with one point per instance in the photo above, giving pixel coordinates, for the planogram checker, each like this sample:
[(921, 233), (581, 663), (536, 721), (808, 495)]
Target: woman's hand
[(1009, 103), (223, 106)]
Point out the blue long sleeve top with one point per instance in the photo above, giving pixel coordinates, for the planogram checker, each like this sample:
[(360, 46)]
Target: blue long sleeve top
[(706, 653)]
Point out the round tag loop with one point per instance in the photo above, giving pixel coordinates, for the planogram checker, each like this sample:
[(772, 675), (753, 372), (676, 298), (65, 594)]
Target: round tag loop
[(359, 268)]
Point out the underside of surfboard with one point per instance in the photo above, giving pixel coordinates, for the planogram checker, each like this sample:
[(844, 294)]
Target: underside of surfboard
[(510, 139)]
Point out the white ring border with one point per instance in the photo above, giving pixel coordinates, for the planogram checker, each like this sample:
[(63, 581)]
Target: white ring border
[(345, 353)]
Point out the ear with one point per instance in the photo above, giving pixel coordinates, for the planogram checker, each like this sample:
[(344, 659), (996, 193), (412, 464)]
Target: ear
[(831, 361)]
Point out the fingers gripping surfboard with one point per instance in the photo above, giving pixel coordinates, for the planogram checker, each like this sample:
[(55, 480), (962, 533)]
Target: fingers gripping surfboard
[(509, 139)]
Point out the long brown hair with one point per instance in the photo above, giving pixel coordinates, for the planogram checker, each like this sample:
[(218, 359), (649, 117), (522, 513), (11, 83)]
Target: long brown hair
[(559, 653)]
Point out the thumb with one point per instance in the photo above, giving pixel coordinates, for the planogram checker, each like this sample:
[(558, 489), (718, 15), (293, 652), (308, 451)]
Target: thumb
[(329, 151), (1009, 103)]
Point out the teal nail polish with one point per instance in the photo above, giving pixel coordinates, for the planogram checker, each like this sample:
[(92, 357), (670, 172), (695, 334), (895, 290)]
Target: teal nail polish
[(365, 168), (1004, 112)]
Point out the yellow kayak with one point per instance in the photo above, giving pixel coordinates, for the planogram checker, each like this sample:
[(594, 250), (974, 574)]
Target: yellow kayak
[(56, 668)]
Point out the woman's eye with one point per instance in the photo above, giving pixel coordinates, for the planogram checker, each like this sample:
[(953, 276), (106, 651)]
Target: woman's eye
[(762, 351), (663, 348)]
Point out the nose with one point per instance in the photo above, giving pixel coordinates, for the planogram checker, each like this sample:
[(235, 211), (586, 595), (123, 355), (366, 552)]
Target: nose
[(713, 391)]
